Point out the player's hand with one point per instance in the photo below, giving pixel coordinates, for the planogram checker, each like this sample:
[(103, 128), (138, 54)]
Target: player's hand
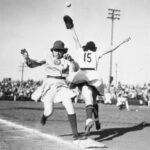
[(67, 57), (24, 54), (127, 39)]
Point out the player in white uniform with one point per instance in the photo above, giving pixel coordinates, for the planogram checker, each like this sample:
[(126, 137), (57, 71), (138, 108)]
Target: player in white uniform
[(54, 88), (89, 79), (122, 99)]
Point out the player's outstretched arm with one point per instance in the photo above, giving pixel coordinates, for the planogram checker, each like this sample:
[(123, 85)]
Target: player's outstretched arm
[(70, 26), (114, 47), (30, 62), (119, 44), (75, 37)]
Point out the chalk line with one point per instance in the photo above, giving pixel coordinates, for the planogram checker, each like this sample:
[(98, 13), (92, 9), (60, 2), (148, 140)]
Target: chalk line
[(37, 132)]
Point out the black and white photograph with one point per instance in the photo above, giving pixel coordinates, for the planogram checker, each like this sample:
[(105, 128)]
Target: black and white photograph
[(74, 74)]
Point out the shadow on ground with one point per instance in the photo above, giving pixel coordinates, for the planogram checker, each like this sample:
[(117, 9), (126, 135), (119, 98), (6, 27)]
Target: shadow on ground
[(111, 133)]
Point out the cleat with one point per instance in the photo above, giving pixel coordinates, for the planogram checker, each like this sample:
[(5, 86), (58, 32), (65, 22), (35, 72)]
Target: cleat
[(88, 128), (43, 120), (79, 137)]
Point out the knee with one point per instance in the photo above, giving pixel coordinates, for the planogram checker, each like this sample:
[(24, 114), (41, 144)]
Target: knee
[(87, 95), (86, 90), (48, 112)]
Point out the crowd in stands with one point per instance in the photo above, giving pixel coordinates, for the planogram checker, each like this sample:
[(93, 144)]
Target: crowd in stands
[(17, 90), (138, 93)]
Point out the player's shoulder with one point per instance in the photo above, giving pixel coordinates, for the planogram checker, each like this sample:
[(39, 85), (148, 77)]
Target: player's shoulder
[(99, 51), (48, 57)]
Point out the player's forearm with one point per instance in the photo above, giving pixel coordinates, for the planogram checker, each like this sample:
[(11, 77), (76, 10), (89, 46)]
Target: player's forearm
[(33, 63), (119, 44), (76, 40), (74, 66), (114, 47)]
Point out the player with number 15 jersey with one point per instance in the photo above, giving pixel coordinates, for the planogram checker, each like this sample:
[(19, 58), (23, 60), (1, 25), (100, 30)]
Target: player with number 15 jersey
[(88, 62)]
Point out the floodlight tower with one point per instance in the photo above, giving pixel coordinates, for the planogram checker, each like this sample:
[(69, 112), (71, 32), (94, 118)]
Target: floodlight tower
[(22, 71), (113, 15)]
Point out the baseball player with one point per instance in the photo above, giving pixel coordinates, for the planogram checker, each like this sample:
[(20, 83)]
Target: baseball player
[(122, 100), (87, 78), (54, 88)]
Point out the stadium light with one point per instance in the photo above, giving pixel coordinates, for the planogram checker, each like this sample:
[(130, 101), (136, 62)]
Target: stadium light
[(113, 14), (22, 71)]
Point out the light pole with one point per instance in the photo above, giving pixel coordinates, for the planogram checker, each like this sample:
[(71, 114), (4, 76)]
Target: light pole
[(22, 71), (116, 74), (113, 15)]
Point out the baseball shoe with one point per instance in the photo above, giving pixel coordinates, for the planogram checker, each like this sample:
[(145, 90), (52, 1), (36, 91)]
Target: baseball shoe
[(88, 128), (43, 120), (79, 137), (97, 125)]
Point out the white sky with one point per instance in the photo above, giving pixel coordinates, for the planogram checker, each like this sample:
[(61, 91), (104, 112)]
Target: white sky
[(36, 24)]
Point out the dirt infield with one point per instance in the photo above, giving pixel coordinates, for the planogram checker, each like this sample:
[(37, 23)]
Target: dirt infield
[(121, 130)]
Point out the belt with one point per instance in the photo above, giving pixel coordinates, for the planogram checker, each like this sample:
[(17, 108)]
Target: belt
[(56, 77), (87, 69)]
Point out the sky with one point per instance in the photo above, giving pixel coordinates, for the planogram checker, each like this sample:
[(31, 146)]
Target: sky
[(36, 25)]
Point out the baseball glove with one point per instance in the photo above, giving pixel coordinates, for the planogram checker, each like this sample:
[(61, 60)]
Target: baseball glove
[(24, 53), (68, 22)]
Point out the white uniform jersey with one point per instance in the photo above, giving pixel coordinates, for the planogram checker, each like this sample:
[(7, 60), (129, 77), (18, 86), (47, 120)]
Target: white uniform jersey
[(88, 59), (56, 67), (54, 88), (88, 62)]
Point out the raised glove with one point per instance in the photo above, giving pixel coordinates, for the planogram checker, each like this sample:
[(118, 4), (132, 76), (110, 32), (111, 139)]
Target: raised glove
[(68, 22), (25, 54)]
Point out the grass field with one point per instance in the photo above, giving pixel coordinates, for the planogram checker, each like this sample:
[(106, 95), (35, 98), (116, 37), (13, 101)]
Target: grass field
[(121, 130)]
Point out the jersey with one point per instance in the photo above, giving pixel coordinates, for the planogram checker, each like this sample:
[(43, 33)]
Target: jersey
[(88, 62), (56, 67), (56, 88), (88, 59)]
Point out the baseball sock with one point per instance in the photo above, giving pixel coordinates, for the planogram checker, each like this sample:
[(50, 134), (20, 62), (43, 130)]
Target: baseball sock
[(96, 116), (95, 111), (89, 120), (89, 111), (73, 124), (43, 119)]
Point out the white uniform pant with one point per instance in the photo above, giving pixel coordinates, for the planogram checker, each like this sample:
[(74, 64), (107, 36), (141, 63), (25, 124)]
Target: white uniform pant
[(87, 95), (54, 91), (123, 100), (48, 107)]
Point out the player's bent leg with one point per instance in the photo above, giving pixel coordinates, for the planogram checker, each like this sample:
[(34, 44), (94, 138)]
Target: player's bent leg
[(89, 121), (48, 111), (87, 95)]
